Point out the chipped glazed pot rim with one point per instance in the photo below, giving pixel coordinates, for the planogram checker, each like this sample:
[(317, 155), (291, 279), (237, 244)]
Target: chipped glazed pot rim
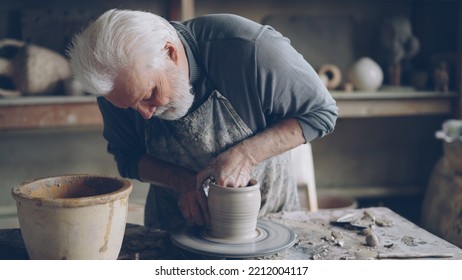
[(72, 190)]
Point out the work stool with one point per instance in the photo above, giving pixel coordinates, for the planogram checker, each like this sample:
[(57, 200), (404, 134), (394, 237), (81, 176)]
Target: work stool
[(302, 164)]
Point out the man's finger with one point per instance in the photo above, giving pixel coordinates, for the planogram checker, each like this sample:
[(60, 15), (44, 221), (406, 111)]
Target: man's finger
[(195, 211), (202, 201)]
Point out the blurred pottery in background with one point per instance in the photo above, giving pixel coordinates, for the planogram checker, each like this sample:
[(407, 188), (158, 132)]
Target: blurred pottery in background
[(419, 79), (28, 69), (451, 134), (442, 203), (365, 75), (330, 75)]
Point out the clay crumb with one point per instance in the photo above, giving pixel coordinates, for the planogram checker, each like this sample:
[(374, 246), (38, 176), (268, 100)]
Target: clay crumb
[(383, 222), (372, 240)]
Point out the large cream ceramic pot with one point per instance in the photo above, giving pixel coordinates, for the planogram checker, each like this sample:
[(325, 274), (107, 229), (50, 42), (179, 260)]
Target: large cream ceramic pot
[(73, 216), (234, 212)]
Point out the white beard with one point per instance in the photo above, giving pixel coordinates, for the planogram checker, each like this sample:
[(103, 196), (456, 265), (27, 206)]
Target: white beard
[(182, 98)]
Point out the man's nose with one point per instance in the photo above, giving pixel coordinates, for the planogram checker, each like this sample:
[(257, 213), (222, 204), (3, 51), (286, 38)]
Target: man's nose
[(146, 111)]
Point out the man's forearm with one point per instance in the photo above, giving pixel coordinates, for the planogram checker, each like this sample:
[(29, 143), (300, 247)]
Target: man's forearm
[(165, 174), (277, 139)]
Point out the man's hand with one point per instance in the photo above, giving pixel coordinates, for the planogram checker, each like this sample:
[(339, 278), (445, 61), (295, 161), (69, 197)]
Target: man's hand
[(192, 202), (232, 168), (194, 208)]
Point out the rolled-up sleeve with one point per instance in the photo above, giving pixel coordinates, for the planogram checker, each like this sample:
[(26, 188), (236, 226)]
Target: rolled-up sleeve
[(291, 88)]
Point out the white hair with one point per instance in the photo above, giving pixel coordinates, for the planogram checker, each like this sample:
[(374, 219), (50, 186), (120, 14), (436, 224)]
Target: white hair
[(113, 42)]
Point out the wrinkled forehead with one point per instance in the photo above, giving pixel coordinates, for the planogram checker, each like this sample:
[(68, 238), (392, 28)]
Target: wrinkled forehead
[(130, 85)]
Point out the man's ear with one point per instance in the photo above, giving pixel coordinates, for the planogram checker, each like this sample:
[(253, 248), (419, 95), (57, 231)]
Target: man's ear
[(172, 52)]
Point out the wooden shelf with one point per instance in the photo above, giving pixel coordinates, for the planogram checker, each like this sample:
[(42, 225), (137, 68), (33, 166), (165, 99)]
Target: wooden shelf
[(75, 111), (49, 112), (390, 104)]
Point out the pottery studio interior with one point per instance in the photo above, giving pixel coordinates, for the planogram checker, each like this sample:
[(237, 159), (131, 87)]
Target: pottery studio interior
[(393, 68)]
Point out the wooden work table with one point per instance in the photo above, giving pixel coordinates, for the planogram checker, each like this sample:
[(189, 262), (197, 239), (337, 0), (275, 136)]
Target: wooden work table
[(321, 235)]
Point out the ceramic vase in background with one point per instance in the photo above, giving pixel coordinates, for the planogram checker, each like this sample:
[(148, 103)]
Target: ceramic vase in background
[(78, 217), (365, 75), (234, 212), (442, 203)]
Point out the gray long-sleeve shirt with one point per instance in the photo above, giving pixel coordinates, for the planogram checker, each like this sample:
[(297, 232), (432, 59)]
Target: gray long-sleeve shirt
[(264, 78)]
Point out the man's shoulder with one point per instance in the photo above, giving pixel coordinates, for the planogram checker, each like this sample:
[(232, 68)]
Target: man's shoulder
[(224, 19), (214, 26)]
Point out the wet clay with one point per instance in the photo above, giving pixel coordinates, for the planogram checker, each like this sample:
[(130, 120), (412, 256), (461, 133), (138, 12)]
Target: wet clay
[(234, 212)]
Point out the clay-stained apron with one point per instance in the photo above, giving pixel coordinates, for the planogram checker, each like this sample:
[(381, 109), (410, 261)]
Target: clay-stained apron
[(196, 139)]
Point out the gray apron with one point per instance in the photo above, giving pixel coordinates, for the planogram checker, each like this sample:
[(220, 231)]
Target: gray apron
[(193, 141)]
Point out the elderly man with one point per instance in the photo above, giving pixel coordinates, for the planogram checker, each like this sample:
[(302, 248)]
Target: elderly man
[(218, 97)]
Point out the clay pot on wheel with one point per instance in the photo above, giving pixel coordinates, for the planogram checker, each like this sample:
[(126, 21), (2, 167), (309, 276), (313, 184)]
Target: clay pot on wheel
[(73, 216), (234, 212)]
